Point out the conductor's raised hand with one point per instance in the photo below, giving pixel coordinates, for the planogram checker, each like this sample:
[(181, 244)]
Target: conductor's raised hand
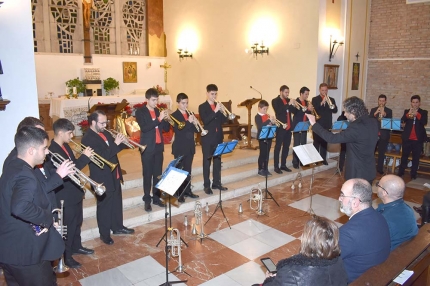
[(311, 118)]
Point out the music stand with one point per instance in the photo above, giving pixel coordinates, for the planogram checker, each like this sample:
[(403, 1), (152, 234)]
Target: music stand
[(170, 182), (338, 127), (300, 127), (268, 132), (391, 124), (248, 104), (222, 148), (308, 155)]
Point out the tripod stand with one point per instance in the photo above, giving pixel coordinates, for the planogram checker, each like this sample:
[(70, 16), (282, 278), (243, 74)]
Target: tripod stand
[(300, 127), (338, 127), (268, 132)]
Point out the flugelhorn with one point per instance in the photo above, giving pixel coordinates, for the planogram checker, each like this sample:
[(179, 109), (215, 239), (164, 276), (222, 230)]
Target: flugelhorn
[(225, 111), (330, 104), (98, 160), (79, 178), (128, 142), (197, 124), (256, 198), (62, 230), (172, 120)]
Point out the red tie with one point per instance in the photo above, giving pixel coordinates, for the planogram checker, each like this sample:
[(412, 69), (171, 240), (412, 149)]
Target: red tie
[(65, 150)]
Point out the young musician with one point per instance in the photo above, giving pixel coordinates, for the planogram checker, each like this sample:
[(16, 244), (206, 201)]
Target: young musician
[(300, 138), (152, 123), (379, 112), (413, 136), (325, 110), (109, 205), (282, 107), (211, 114), (263, 119), (70, 192), (184, 144)]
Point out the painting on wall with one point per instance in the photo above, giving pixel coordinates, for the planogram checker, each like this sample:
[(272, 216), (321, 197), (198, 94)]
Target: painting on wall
[(355, 76), (331, 73), (129, 72)]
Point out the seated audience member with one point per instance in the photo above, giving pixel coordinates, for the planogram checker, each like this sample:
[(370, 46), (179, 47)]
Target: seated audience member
[(365, 239), (399, 216), (319, 261)]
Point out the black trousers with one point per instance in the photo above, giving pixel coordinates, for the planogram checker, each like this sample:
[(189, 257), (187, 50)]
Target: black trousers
[(342, 156), (208, 150), (263, 157), (186, 163), (152, 165), (40, 274), (299, 138), (382, 148), (109, 211), (73, 217), (283, 140), (321, 145), (416, 148)]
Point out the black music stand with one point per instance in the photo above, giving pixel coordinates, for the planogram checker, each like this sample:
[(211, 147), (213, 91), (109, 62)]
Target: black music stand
[(268, 132), (338, 127), (248, 104), (222, 148), (392, 124), (171, 180)]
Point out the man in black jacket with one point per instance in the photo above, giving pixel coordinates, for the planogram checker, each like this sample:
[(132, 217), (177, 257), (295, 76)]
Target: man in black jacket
[(379, 112), (212, 117), (70, 193), (282, 106), (325, 110), (109, 205), (152, 123), (360, 138), (413, 136), (29, 241)]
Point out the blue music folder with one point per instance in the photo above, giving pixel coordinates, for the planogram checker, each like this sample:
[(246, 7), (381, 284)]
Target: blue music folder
[(391, 123), (267, 132), (225, 147), (302, 126), (340, 125)]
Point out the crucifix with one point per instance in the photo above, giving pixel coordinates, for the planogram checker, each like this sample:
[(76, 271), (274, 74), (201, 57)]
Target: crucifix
[(357, 55), (165, 66)]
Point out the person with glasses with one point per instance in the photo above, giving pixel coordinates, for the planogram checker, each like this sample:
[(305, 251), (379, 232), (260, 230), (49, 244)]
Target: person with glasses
[(399, 216), (365, 239), (109, 205)]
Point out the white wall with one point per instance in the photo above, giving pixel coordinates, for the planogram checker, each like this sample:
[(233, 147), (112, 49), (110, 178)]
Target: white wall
[(18, 83)]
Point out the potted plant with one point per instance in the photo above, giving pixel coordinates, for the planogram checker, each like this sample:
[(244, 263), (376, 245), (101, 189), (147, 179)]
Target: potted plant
[(76, 82), (110, 84)]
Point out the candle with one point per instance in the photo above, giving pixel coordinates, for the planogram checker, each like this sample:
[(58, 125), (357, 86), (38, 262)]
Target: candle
[(74, 90)]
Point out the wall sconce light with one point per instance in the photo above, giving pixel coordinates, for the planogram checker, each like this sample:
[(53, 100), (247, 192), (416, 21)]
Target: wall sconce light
[(333, 45), (259, 50), (184, 54)]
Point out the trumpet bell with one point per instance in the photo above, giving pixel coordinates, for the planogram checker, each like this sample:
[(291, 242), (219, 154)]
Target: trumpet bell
[(61, 267), (99, 189), (204, 132), (181, 125), (231, 116)]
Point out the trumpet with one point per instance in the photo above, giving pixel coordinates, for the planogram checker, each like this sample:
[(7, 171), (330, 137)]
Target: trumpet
[(330, 104), (225, 111), (256, 198), (280, 123), (381, 109), (197, 124), (411, 114), (314, 113), (198, 212), (79, 178), (62, 230), (172, 120), (98, 160), (299, 106), (128, 142), (174, 242)]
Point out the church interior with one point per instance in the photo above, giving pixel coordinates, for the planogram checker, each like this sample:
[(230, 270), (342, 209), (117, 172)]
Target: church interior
[(56, 57)]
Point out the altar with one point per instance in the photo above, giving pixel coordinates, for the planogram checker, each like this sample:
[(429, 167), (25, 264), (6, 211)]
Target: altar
[(76, 109)]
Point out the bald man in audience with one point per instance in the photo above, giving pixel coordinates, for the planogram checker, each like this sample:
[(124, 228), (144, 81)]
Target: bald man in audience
[(399, 216)]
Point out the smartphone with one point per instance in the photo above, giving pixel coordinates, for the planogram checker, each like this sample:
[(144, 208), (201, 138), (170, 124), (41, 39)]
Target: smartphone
[(268, 263)]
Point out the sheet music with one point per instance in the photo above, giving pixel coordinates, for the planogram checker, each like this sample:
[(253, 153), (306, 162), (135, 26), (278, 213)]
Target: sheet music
[(403, 277), (307, 154), (173, 179)]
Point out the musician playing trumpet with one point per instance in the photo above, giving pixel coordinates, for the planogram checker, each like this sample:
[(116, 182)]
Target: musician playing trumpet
[(413, 135), (263, 119), (379, 112), (184, 144), (304, 107)]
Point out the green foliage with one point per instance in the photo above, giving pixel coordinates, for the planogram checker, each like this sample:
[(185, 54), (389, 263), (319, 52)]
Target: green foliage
[(76, 82), (110, 84)]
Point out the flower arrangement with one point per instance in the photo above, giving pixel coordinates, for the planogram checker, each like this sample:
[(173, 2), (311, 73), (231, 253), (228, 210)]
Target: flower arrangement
[(84, 125), (76, 82), (160, 90)]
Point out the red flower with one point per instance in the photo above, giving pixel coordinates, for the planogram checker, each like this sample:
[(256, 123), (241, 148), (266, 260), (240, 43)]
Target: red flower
[(139, 105), (84, 123), (162, 105)]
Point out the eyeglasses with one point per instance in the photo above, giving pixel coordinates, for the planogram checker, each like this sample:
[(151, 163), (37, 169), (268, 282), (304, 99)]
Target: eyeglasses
[(379, 186), (102, 123), (342, 195)]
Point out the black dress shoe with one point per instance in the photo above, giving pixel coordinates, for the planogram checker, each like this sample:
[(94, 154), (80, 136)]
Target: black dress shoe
[(182, 199), (148, 207), (71, 263), (124, 230), (108, 241), (277, 171), (191, 195), (325, 162), (285, 168), (83, 250), (208, 191), (219, 187), (295, 167), (159, 203)]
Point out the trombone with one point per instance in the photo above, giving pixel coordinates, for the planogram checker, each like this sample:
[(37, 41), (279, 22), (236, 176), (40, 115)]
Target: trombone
[(225, 111), (79, 178), (197, 124), (98, 160), (172, 120), (128, 142)]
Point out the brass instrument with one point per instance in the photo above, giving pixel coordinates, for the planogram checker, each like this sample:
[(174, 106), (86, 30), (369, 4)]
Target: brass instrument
[(299, 178), (330, 104), (79, 178), (98, 160), (256, 197), (314, 113), (172, 120), (244, 139), (225, 111), (380, 112), (62, 230), (174, 242), (299, 106), (197, 124), (280, 123), (129, 143), (198, 212), (411, 113)]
